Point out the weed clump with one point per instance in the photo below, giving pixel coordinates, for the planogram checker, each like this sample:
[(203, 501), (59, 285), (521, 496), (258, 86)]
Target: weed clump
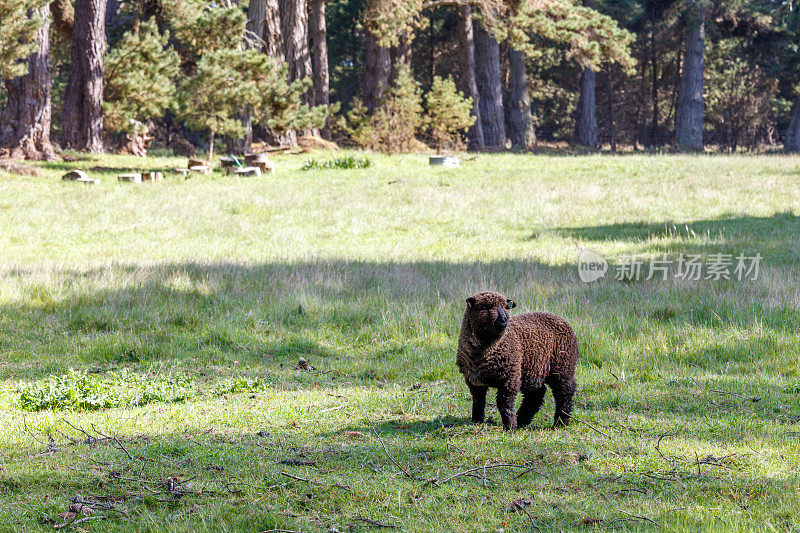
[(80, 390), (348, 162)]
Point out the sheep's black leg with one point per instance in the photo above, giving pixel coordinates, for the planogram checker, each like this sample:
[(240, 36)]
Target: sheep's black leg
[(531, 403), (478, 403), (505, 404), (563, 389)]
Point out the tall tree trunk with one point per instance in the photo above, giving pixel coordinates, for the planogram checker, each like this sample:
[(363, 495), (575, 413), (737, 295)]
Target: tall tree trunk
[(519, 124), (25, 119), (792, 143), (689, 117), (256, 20), (254, 39), (294, 26), (271, 31), (654, 77), (490, 87), (612, 124), (377, 71), (586, 116), (319, 37), (469, 86), (266, 23), (83, 115)]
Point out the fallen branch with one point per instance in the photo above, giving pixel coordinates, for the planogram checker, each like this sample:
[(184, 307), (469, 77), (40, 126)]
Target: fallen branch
[(478, 469), (640, 517), (375, 523)]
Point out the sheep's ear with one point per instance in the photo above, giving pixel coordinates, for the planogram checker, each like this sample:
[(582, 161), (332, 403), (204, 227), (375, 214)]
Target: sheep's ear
[(470, 302), (511, 304)]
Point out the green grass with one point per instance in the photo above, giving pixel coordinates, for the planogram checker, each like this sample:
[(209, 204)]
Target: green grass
[(208, 290)]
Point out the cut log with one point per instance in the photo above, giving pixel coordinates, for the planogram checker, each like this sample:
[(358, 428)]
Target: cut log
[(75, 175), (444, 161), (133, 177), (246, 172), (260, 161), (200, 169), (152, 176), (228, 162)]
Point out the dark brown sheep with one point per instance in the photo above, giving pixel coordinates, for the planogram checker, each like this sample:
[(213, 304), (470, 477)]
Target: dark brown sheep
[(516, 354)]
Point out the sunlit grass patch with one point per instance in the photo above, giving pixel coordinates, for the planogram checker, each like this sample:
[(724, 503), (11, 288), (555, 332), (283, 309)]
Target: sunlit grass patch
[(210, 290)]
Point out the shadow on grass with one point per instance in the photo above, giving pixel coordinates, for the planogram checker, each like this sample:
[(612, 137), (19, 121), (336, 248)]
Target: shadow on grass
[(778, 233)]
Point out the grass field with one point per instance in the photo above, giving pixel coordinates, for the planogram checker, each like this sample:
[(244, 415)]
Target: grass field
[(153, 331)]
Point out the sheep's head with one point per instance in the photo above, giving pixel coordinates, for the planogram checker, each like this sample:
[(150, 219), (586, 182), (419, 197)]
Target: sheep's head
[(488, 314)]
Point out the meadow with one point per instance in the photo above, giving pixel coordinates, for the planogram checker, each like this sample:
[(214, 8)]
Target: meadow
[(151, 339)]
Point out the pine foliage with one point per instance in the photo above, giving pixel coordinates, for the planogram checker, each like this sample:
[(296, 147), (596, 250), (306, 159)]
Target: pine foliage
[(449, 114), (18, 27), (139, 74)]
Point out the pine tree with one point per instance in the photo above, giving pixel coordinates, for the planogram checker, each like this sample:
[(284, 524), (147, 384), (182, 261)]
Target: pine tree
[(139, 85), (229, 80), (449, 114), (17, 35)]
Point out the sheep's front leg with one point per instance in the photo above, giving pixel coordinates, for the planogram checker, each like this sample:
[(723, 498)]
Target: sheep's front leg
[(478, 403), (505, 404)]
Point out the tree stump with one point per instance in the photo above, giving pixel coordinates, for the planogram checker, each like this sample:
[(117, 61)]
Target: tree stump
[(261, 161), (79, 176), (246, 172), (201, 169), (133, 177)]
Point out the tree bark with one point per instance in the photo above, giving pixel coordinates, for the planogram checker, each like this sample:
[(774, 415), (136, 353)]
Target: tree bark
[(294, 26), (519, 125), (792, 143), (490, 87), (319, 38), (256, 20), (377, 71), (83, 115), (271, 31), (654, 77), (586, 117), (689, 118), (25, 119), (466, 44)]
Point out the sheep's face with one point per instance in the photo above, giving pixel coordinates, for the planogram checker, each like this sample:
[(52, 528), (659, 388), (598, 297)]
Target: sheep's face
[(488, 314)]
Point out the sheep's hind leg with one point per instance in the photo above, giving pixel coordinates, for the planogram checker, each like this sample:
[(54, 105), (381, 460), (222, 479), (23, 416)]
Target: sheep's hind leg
[(563, 389), (505, 404), (531, 403), (478, 403)]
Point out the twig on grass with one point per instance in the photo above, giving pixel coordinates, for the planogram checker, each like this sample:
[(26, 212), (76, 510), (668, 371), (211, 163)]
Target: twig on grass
[(375, 523), (521, 507), (79, 520), (592, 427), (311, 481), (640, 517), (482, 468), (392, 459)]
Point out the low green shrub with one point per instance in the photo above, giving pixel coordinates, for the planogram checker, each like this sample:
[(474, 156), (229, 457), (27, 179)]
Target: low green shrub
[(85, 391), (338, 162), (81, 390)]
